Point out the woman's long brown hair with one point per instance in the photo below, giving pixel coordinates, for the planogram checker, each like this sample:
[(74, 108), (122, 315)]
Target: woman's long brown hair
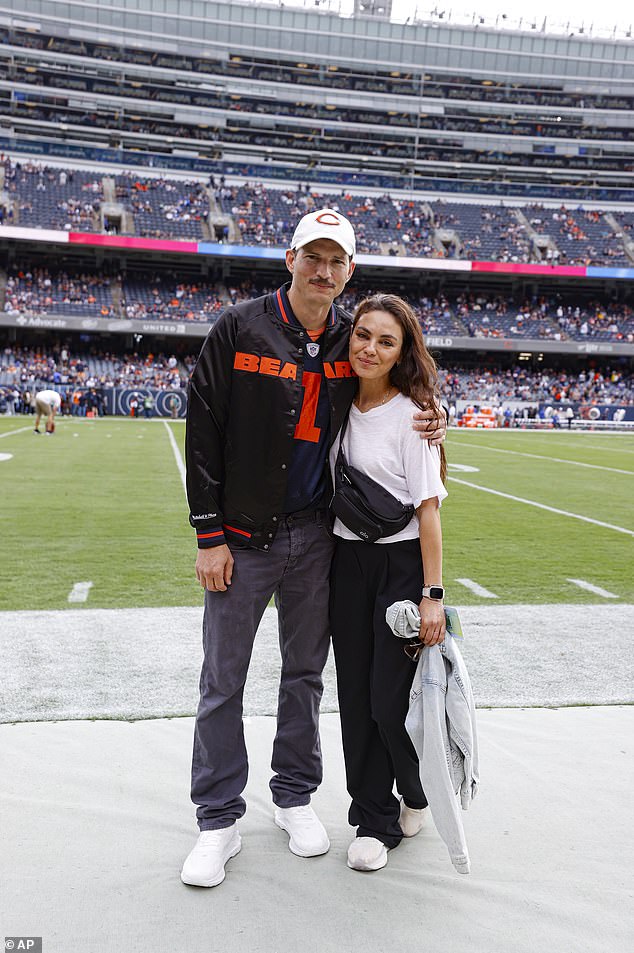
[(415, 374)]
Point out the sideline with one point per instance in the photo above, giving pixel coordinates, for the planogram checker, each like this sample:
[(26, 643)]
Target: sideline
[(177, 456), (543, 506), (127, 664), (540, 456)]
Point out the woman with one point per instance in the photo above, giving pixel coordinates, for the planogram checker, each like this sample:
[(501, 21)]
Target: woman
[(397, 375)]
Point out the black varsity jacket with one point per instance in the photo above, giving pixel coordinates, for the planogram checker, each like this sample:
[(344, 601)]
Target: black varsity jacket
[(244, 402)]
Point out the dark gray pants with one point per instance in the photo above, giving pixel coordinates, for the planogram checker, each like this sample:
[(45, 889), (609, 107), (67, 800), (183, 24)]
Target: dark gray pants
[(296, 570)]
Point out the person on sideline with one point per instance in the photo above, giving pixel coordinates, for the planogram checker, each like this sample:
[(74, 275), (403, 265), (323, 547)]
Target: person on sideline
[(47, 404), (396, 375), (271, 386)]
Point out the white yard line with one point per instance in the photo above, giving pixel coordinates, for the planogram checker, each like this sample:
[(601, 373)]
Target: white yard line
[(595, 446), (79, 592), (177, 456), (597, 590), (10, 433), (542, 506), (539, 456), (477, 588)]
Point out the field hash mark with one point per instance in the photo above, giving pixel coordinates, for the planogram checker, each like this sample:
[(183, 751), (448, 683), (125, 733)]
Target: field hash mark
[(79, 592)]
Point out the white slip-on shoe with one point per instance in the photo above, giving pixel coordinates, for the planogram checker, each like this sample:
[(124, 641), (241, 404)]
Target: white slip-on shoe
[(367, 853), (411, 819), (307, 835), (205, 865)]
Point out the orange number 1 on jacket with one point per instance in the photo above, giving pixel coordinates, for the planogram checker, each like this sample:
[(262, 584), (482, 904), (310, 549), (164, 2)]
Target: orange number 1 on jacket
[(306, 429)]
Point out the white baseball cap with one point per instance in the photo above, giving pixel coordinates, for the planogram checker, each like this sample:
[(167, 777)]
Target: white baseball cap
[(325, 223)]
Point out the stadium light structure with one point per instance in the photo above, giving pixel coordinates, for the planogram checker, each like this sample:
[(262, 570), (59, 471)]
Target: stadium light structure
[(373, 8)]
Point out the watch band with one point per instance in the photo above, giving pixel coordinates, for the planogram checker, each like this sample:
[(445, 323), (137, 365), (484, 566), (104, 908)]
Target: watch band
[(434, 592)]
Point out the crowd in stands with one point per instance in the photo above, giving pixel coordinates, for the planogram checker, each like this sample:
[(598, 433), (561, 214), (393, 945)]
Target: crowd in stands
[(164, 296), (39, 291), (45, 197), (498, 317), (392, 225), (165, 208), (25, 370), (496, 385)]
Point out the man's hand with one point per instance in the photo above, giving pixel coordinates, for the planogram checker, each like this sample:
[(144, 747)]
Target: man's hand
[(431, 424), (214, 568)]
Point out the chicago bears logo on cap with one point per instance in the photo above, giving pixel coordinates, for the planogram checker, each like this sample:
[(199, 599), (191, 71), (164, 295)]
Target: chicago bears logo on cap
[(327, 218), (325, 223)]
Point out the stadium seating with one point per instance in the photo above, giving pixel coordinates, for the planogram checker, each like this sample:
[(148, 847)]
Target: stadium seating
[(163, 297), (163, 208), (39, 291), (26, 369), (62, 199), (170, 208)]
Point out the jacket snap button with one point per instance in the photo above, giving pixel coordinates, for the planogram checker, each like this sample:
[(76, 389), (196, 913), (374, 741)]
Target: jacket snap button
[(292, 412), (275, 519), (283, 466)]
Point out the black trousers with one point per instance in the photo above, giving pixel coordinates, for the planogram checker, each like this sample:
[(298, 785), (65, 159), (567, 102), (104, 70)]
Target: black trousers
[(374, 677)]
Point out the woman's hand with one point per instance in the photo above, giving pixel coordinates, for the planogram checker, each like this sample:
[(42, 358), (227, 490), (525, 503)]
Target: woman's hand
[(432, 621)]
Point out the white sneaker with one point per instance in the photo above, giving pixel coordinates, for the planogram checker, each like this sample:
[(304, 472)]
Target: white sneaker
[(307, 835), (367, 853), (411, 819), (205, 865)]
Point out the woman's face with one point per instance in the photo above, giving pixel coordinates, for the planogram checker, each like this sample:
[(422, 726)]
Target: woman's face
[(375, 345)]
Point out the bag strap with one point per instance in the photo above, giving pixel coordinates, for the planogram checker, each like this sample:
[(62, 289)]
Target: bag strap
[(342, 433)]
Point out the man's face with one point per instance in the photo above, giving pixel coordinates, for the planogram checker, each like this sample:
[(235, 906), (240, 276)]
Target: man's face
[(320, 271)]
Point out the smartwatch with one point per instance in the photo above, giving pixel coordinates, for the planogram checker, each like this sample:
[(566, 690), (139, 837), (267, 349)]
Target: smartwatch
[(434, 592)]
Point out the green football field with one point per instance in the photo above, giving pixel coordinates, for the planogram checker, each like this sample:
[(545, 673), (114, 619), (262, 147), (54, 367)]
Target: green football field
[(102, 502)]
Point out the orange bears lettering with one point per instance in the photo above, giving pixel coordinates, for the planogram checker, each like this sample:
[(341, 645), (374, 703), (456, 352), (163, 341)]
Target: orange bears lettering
[(338, 370), (270, 366)]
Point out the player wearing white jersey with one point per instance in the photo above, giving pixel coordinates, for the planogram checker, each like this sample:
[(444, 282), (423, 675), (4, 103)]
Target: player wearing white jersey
[(47, 403)]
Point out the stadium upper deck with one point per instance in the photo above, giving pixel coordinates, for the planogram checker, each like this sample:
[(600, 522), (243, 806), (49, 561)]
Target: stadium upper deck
[(433, 106)]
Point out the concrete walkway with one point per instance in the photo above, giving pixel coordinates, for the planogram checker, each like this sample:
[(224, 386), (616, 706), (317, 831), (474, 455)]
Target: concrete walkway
[(96, 822)]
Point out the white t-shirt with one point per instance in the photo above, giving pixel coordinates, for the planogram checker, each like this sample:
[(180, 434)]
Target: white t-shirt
[(383, 445), (51, 397)]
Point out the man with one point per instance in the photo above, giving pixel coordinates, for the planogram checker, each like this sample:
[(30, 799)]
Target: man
[(47, 404), (267, 397), (570, 414), (172, 406)]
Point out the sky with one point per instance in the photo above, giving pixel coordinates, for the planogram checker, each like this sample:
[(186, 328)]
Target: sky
[(601, 13)]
